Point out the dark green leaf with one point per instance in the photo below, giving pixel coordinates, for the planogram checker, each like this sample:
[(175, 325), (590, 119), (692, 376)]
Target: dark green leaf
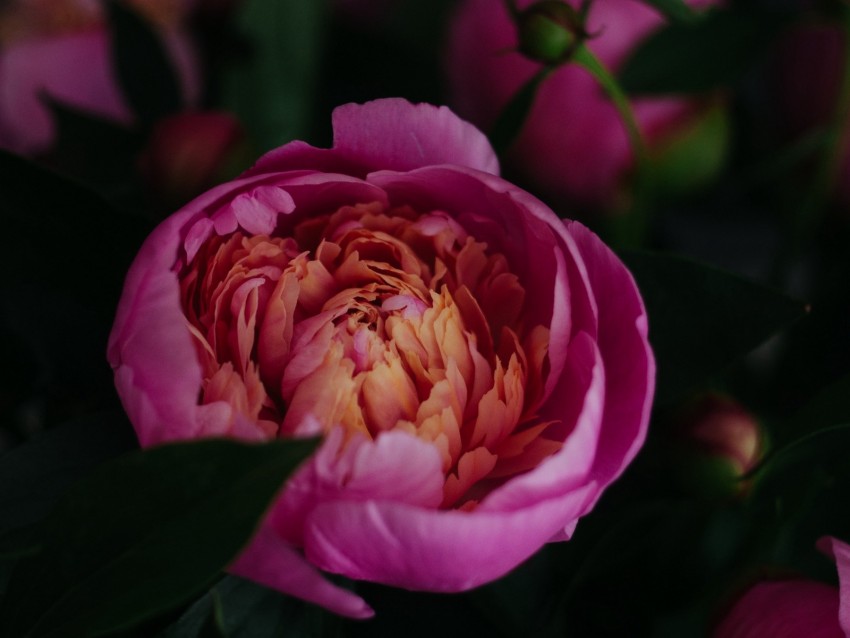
[(675, 10), (830, 407), (701, 318), (692, 57), (512, 118), (272, 92), (33, 476), (144, 533), (63, 236), (238, 608), (145, 72), (92, 149)]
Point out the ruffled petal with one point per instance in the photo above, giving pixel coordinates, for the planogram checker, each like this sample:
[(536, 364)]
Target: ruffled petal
[(389, 134)]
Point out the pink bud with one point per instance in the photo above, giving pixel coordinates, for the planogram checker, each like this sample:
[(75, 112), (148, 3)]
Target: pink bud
[(573, 146), (189, 152), (720, 443)]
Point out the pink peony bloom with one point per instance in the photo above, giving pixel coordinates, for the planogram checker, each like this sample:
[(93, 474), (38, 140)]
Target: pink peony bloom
[(479, 368), (794, 608), (61, 49), (573, 145)]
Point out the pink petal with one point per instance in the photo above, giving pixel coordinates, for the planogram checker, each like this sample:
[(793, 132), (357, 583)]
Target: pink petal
[(783, 609), (841, 552), (268, 560), (629, 362), (390, 134), (396, 467), (407, 546)]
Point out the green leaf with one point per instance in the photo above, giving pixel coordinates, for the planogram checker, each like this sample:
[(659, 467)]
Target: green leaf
[(694, 57), (33, 476), (144, 533), (272, 91), (145, 72), (512, 118), (93, 149), (66, 237), (702, 318)]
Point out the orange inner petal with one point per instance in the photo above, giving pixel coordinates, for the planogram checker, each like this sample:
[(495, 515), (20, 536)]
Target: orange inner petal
[(375, 319)]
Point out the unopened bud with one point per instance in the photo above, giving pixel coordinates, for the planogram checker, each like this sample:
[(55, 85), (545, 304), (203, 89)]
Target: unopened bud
[(549, 31), (720, 443)]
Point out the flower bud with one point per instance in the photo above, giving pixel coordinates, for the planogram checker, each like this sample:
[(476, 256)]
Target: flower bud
[(720, 442), (189, 152), (549, 31)]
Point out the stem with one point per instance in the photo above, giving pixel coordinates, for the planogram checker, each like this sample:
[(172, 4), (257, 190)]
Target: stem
[(633, 226), (770, 458), (584, 57)]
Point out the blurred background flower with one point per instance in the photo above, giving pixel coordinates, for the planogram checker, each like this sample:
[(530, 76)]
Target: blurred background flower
[(61, 51), (574, 146)]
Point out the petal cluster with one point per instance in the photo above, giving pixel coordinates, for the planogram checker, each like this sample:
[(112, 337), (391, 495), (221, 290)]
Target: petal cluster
[(479, 368)]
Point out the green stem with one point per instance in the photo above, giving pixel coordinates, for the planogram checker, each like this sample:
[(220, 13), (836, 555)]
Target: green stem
[(584, 57), (632, 227), (780, 452)]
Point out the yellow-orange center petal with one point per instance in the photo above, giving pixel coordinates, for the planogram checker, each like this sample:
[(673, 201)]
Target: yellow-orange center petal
[(374, 320)]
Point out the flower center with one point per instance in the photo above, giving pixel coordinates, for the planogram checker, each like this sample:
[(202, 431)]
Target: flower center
[(375, 320)]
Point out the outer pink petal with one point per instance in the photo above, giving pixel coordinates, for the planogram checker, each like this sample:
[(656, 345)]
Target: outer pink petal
[(397, 467), (629, 362), (271, 562), (841, 552), (784, 609), (416, 548), (390, 134)]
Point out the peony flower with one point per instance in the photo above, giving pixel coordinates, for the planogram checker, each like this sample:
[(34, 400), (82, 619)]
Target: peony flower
[(479, 368), (189, 152), (794, 608), (573, 145), (60, 49)]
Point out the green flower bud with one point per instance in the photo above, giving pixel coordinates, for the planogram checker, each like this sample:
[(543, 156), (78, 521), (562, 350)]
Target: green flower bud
[(549, 31)]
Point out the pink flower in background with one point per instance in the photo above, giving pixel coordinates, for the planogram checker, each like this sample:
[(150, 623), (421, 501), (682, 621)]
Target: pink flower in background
[(807, 72), (60, 49), (479, 368), (573, 146), (794, 608)]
